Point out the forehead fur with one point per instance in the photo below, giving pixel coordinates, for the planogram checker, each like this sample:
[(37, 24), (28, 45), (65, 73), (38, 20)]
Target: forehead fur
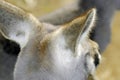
[(56, 38)]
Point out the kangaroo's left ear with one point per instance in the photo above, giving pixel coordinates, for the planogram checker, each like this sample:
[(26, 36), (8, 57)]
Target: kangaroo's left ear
[(15, 23)]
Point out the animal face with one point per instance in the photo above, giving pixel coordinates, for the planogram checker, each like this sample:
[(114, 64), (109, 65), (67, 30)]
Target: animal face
[(50, 52)]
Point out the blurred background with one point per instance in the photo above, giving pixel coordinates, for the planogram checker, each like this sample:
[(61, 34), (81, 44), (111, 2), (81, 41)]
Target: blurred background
[(109, 68)]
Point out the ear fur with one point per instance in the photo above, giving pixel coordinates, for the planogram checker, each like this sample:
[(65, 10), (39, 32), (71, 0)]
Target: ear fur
[(89, 24), (15, 24), (83, 24), (79, 28)]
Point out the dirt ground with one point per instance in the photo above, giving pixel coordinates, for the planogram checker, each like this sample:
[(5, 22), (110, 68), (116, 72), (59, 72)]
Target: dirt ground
[(109, 68)]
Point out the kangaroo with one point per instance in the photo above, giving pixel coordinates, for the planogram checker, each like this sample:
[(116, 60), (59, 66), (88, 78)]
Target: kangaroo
[(64, 53), (105, 11)]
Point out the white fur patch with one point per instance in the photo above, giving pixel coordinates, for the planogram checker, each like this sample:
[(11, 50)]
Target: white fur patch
[(21, 34), (63, 57), (90, 64)]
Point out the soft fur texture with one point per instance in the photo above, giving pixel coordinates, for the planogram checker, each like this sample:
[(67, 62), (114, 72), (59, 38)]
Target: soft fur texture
[(65, 53), (105, 8)]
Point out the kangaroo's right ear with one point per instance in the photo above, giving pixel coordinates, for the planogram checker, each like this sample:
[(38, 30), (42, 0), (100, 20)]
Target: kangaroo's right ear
[(15, 24), (78, 30)]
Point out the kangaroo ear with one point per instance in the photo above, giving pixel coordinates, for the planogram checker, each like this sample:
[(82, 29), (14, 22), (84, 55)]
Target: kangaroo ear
[(15, 24), (79, 29)]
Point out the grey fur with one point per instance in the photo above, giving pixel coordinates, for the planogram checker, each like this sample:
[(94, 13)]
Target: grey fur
[(50, 58), (55, 20), (40, 47), (7, 62), (8, 18)]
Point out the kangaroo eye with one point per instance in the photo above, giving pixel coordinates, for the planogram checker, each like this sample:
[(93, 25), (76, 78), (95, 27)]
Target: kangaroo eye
[(96, 60)]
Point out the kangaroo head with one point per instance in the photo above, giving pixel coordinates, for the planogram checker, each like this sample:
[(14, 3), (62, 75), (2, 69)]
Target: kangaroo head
[(50, 52)]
